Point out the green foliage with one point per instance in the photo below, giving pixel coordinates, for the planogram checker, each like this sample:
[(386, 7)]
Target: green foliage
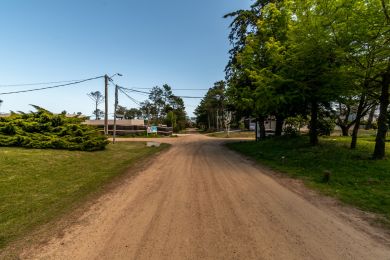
[(293, 125), (165, 107), (296, 122), (292, 57), (43, 129), (211, 108), (291, 131), (325, 126), (97, 98)]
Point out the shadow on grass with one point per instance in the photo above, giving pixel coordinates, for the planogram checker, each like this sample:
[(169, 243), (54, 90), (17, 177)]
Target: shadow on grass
[(355, 178)]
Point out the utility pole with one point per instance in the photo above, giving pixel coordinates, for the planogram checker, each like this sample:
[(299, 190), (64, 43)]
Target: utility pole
[(115, 108), (106, 104)]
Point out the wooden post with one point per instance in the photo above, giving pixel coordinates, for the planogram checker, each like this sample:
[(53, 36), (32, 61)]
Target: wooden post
[(105, 104), (115, 108)]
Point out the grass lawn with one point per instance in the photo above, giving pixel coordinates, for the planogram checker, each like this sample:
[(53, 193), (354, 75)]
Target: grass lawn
[(244, 134), (39, 185), (355, 178)]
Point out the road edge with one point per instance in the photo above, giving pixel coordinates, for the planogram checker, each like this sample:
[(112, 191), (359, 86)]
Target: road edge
[(367, 222), (41, 234)]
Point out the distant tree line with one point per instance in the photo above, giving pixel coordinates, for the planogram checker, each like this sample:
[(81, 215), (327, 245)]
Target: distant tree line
[(161, 108)]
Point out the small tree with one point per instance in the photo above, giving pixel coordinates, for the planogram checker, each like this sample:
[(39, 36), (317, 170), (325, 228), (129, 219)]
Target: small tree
[(98, 113), (1, 102), (98, 98)]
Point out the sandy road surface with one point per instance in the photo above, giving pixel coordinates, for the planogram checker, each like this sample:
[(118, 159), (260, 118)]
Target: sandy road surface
[(201, 201)]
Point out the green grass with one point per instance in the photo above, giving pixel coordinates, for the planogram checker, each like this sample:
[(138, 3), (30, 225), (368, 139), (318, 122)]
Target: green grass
[(244, 134), (38, 185), (355, 179)]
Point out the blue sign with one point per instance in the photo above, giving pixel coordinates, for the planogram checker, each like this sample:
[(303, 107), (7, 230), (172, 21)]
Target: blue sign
[(153, 129)]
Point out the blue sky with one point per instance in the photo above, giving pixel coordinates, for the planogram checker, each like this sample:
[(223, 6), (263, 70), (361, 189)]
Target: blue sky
[(181, 43)]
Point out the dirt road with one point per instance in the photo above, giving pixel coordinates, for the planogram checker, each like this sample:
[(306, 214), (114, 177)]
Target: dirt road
[(201, 201)]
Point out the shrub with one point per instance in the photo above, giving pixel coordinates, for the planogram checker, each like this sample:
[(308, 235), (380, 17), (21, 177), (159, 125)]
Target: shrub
[(43, 130), (293, 125), (291, 131), (326, 126)]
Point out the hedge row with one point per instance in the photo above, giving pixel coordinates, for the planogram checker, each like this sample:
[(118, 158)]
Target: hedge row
[(43, 129)]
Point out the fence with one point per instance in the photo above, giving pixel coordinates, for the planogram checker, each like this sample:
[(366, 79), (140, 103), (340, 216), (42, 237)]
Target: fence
[(122, 130)]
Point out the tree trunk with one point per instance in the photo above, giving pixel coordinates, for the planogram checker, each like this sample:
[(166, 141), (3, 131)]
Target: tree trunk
[(370, 118), (359, 115), (262, 127), (380, 141), (344, 130), (96, 110), (314, 123), (213, 120), (279, 125), (217, 121)]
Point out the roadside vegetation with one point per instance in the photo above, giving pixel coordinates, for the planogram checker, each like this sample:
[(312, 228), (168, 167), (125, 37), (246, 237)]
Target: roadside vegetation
[(43, 129), (235, 134), (161, 107), (36, 185), (323, 63), (331, 167)]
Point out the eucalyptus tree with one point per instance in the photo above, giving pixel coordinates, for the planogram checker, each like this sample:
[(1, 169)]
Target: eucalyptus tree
[(97, 98), (157, 103)]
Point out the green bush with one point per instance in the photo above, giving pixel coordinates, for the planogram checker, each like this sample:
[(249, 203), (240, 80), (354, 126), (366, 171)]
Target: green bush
[(293, 125), (291, 131), (326, 126), (44, 130)]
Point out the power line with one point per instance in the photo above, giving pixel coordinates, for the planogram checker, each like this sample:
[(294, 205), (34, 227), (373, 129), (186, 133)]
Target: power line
[(145, 94), (35, 84), (56, 86), (132, 99), (139, 91), (133, 90), (180, 88)]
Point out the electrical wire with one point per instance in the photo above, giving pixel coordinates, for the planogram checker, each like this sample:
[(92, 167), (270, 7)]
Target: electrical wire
[(180, 88), (132, 99), (139, 91), (35, 84), (56, 86), (145, 94)]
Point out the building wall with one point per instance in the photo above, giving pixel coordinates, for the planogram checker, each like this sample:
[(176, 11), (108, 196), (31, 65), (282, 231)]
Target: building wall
[(126, 122)]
